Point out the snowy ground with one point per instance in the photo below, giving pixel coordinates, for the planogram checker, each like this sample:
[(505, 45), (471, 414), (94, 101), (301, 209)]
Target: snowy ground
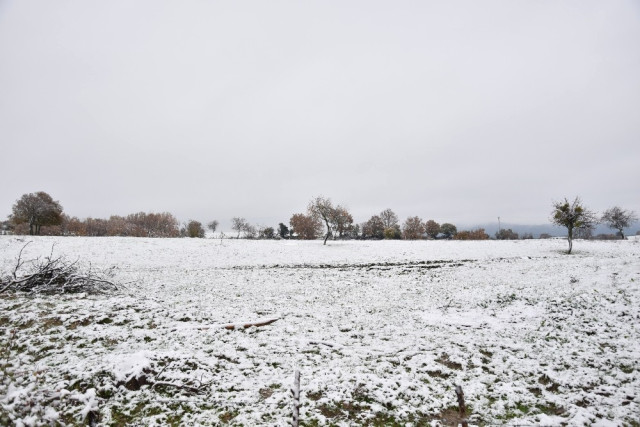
[(380, 331)]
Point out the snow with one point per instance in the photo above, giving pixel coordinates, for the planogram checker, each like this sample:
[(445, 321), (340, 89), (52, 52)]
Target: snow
[(127, 366), (381, 332)]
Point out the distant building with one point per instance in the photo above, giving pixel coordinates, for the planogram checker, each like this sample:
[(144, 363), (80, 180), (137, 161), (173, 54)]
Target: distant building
[(6, 228)]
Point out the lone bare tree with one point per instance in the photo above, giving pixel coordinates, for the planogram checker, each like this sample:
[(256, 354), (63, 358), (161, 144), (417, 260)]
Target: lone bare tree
[(618, 219), (213, 226), (37, 209), (239, 224), (572, 215), (321, 208)]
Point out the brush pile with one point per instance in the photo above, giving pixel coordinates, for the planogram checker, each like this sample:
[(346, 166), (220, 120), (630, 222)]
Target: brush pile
[(55, 275)]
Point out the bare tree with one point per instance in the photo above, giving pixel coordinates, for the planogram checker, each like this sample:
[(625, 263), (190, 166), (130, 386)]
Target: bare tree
[(239, 225), (36, 209), (572, 216), (250, 231), (119, 226), (618, 219), (144, 224), (389, 218), (390, 224), (322, 208), (413, 228), (97, 227), (213, 226)]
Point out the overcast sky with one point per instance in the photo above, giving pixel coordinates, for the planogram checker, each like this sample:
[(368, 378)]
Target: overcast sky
[(460, 111)]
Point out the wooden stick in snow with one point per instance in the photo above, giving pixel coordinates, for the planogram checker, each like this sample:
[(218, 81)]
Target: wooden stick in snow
[(328, 344), (461, 406), (245, 325), (182, 386), (295, 393)]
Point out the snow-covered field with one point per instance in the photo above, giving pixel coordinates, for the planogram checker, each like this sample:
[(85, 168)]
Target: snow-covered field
[(381, 332)]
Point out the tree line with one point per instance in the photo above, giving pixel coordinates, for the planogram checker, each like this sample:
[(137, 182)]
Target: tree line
[(38, 213), (324, 219)]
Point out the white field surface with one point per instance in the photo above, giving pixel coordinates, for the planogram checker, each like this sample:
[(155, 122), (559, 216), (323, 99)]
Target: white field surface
[(380, 331)]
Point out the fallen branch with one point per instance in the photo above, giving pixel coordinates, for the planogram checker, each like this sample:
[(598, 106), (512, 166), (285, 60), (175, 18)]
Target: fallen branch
[(245, 325), (447, 306), (10, 284), (181, 386), (190, 388), (321, 343)]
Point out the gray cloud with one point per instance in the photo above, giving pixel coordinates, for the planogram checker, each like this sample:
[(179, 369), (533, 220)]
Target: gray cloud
[(459, 111)]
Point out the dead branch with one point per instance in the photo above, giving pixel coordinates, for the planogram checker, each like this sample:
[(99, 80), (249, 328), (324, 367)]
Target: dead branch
[(54, 276), (446, 307), (245, 325), (180, 386), (19, 262), (190, 388), (321, 343), (6, 287)]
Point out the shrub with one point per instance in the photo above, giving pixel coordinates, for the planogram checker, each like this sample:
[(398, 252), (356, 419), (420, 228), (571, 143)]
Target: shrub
[(478, 234)]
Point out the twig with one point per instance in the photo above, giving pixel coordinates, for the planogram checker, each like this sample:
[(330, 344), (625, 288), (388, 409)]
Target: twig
[(182, 386), (19, 262), (162, 370), (321, 343), (446, 307)]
